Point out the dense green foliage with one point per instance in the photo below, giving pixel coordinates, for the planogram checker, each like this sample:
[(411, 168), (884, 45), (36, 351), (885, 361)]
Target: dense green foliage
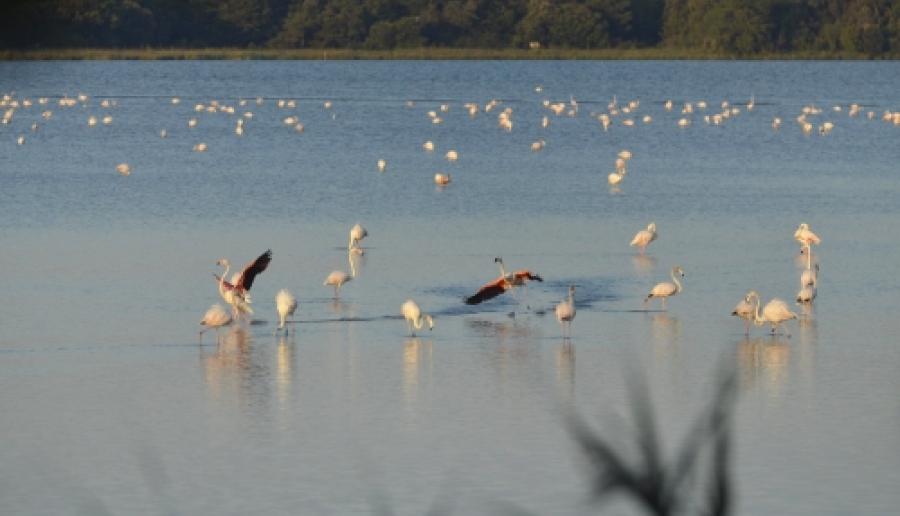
[(723, 27)]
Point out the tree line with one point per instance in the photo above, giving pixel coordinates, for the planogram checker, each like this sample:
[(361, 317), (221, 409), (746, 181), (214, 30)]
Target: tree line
[(733, 27)]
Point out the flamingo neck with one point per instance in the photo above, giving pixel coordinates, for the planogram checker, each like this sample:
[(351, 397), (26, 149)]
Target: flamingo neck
[(756, 318), (222, 280), (503, 270), (677, 283), (808, 257)]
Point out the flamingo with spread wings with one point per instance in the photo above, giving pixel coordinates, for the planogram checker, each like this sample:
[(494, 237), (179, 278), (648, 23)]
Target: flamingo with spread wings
[(500, 285), (237, 292)]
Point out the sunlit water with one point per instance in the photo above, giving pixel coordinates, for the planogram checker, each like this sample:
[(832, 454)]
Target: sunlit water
[(111, 405)]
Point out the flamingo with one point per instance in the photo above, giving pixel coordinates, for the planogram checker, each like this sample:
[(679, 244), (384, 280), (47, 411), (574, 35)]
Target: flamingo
[(236, 293), (805, 237), (643, 237), (382, 164), (744, 310), (123, 169), (357, 233), (565, 312), (615, 178), (285, 305), (500, 285), (428, 146), (415, 319), (214, 318), (666, 289), (337, 279), (775, 312), (806, 294), (442, 179)]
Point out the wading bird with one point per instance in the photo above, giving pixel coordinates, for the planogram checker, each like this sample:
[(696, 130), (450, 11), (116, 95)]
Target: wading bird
[(775, 312), (357, 233), (805, 237), (500, 285), (565, 312), (415, 319), (237, 292), (667, 289), (643, 237), (745, 310), (337, 279), (214, 318), (285, 305)]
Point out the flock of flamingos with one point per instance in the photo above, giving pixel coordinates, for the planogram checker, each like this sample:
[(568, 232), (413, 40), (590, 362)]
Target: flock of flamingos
[(236, 291)]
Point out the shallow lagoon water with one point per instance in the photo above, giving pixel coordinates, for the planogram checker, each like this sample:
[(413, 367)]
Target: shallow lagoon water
[(112, 405)]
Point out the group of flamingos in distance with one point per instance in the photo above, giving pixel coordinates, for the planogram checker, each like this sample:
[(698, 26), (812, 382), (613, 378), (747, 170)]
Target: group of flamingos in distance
[(236, 292)]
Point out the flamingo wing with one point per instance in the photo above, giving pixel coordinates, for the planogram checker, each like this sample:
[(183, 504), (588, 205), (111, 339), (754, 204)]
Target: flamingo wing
[(489, 291), (523, 275), (252, 269)]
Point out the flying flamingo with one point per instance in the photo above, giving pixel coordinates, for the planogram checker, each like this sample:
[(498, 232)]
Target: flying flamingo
[(214, 318), (415, 319), (565, 312), (775, 312), (666, 289), (643, 237), (744, 310), (237, 292), (500, 285), (285, 304)]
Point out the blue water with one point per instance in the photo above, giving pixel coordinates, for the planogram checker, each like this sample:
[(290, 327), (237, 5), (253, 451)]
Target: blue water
[(111, 404)]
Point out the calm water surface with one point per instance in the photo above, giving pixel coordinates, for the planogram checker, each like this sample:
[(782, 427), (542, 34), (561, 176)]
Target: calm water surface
[(111, 405)]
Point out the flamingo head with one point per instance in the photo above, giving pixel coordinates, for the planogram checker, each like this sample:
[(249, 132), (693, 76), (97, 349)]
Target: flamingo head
[(651, 227), (678, 270), (751, 295), (223, 263), (430, 322), (498, 260)]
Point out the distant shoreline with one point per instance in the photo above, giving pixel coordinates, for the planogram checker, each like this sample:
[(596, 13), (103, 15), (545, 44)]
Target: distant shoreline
[(424, 53)]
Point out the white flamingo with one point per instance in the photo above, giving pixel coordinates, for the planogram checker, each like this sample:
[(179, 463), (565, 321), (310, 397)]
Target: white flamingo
[(806, 294), (415, 319), (643, 237), (667, 289), (214, 318), (805, 237), (337, 278), (745, 310), (285, 305), (775, 312), (615, 178), (565, 312), (357, 233)]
